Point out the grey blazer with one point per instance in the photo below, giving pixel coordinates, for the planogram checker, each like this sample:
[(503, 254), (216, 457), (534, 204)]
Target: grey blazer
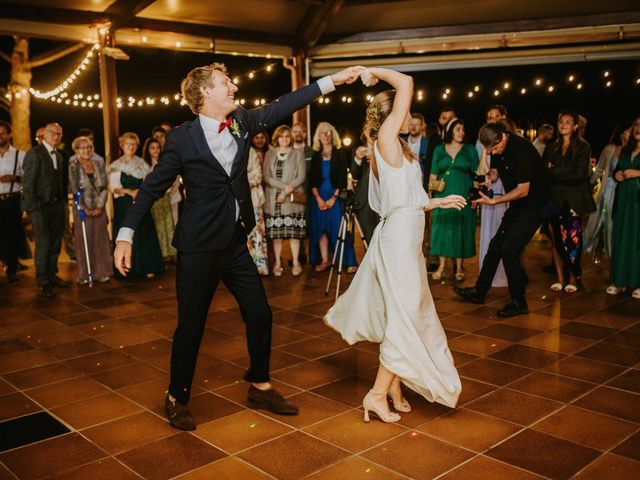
[(294, 173)]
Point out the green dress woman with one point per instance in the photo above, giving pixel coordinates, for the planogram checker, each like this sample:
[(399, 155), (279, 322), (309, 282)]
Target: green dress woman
[(625, 255)]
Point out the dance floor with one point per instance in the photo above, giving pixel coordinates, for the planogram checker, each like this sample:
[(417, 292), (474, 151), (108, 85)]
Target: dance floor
[(553, 394)]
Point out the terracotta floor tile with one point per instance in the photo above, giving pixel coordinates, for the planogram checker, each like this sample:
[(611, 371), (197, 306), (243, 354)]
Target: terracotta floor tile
[(614, 402), (318, 309), (227, 349), (15, 405), (313, 409), (106, 302), (313, 348), (478, 345), (608, 319), (561, 311), (14, 345), (629, 380), (460, 358), (469, 429), (32, 377), (54, 455), (554, 387), (151, 394), (312, 326), (5, 388), (213, 335), (238, 391), (128, 375), (625, 338), (492, 371), (105, 469), (120, 435), (630, 447), (286, 317), (82, 318), (228, 467), (527, 356), (284, 336), (169, 457), (350, 390), (514, 406), (218, 375), (543, 454), (68, 391), (76, 349), (95, 410), (467, 323), (356, 468), (417, 455), (485, 468), (165, 328), (126, 310), (206, 407), (100, 362), (586, 330), (352, 359), (553, 341), (472, 390), (350, 432), (278, 360), (536, 321), (309, 375), (588, 428), (240, 431), (35, 327), (106, 326), (150, 349), (611, 467), (507, 332), (585, 369), (421, 410), (55, 337), (134, 336), (23, 360), (317, 455)]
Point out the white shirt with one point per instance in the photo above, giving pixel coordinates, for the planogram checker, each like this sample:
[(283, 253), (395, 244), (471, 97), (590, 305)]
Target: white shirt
[(53, 155), (224, 148), (7, 162), (415, 147)]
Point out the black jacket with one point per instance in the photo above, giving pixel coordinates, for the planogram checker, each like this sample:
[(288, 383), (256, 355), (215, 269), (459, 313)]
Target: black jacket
[(207, 221), (339, 167), (42, 184), (569, 177)]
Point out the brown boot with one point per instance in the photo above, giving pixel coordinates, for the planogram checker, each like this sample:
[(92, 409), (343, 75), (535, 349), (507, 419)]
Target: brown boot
[(178, 415)]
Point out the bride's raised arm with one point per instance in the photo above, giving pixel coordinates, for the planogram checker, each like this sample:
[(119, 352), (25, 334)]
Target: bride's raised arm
[(388, 143)]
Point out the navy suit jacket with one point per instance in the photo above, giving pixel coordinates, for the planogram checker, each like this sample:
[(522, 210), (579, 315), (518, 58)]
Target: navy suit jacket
[(207, 220)]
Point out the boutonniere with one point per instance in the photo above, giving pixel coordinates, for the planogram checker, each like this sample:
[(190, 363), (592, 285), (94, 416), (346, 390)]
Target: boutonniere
[(235, 128)]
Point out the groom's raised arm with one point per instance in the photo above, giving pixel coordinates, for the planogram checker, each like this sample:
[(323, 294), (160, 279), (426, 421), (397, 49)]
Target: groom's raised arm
[(271, 115)]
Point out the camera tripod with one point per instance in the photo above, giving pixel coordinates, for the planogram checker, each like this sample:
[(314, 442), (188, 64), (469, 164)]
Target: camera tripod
[(348, 223)]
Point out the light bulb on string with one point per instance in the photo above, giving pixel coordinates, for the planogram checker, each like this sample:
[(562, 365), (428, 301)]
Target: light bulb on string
[(579, 86), (496, 93), (608, 84), (523, 91), (538, 82), (506, 85), (551, 88), (606, 73), (571, 78)]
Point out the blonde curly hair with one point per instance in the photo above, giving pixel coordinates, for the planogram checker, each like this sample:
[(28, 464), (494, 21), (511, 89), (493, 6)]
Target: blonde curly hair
[(325, 127), (377, 112), (196, 78)]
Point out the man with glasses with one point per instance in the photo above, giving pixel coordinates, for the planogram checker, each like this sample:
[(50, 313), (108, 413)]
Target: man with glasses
[(44, 195), (523, 176)]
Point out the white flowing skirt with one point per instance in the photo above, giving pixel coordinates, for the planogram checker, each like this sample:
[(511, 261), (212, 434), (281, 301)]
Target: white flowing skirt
[(389, 302)]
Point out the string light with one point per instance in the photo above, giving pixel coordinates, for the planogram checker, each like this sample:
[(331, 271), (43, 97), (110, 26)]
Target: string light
[(523, 91), (470, 94), (506, 85), (609, 83), (551, 88), (538, 82), (606, 73), (476, 88), (572, 78), (496, 93), (579, 86)]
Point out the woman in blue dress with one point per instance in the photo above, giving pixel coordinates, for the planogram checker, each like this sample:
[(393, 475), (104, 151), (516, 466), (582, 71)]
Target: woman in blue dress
[(327, 177)]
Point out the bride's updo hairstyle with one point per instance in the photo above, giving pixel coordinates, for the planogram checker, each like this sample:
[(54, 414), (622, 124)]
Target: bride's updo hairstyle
[(378, 110)]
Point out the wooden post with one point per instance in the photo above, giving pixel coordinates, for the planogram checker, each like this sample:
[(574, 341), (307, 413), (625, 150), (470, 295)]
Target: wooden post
[(109, 94), (297, 81)]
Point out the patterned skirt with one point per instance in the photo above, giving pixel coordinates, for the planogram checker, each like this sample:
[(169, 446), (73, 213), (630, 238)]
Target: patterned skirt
[(283, 227)]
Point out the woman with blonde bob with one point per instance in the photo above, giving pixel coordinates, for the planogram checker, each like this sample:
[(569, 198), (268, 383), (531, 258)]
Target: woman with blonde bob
[(389, 301)]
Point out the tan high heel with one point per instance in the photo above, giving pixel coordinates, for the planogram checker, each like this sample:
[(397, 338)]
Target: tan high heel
[(437, 275), (404, 406), (368, 405)]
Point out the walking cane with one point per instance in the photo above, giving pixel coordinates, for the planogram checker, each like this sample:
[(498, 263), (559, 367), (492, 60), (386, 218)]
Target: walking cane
[(76, 199)]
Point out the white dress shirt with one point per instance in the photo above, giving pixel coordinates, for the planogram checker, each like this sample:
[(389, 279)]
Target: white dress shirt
[(415, 147), (224, 148), (52, 154), (7, 162)]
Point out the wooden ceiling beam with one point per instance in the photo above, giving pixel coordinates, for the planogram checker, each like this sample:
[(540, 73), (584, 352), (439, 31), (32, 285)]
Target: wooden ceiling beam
[(126, 10), (316, 21)]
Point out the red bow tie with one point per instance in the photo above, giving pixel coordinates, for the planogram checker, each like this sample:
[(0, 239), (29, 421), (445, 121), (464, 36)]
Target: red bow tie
[(225, 124)]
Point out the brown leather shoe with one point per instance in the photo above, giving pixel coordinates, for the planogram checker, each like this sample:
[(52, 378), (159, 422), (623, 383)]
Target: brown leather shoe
[(178, 415), (270, 400), (45, 291)]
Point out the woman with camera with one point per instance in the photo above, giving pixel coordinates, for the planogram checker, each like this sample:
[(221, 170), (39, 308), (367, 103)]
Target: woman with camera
[(284, 176), (453, 231)]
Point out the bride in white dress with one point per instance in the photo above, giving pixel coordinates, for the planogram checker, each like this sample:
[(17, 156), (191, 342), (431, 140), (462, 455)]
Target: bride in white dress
[(389, 301)]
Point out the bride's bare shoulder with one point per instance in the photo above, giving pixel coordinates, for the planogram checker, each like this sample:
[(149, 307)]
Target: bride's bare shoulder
[(390, 153)]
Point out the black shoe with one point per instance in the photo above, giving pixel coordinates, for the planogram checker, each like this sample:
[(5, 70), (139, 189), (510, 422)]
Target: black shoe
[(432, 267), (270, 400), (22, 267), (45, 291), (178, 415), (470, 294), (56, 281), (512, 309)]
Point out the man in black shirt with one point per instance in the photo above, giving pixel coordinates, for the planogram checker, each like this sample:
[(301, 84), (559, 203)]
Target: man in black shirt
[(518, 164)]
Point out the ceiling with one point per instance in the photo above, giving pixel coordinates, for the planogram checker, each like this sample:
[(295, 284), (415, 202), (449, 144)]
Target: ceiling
[(411, 34)]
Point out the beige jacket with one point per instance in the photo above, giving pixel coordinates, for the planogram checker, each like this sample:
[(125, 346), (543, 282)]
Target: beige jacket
[(294, 173)]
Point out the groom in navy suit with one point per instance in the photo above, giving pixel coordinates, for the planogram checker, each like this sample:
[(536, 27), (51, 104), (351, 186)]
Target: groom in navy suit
[(211, 155)]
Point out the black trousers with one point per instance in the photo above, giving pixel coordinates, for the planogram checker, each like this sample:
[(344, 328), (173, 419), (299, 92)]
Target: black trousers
[(48, 226), (197, 278), (516, 231), (11, 233)]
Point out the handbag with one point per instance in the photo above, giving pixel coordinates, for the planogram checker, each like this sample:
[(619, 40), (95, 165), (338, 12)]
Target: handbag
[(437, 185), (298, 197)]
